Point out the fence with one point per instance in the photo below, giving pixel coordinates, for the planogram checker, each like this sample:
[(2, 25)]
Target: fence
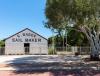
[(73, 50), (62, 50)]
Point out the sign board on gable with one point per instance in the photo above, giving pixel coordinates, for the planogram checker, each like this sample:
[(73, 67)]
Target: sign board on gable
[(26, 36)]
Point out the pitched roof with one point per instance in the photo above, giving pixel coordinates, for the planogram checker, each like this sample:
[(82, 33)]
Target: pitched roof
[(24, 30)]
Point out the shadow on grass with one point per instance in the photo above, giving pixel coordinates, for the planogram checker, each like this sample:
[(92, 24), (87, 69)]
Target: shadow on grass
[(21, 64)]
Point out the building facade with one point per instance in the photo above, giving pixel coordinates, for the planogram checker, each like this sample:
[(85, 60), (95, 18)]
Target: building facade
[(26, 42)]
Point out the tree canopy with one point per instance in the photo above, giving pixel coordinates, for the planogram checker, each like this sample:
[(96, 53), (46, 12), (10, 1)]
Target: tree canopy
[(60, 11), (84, 15)]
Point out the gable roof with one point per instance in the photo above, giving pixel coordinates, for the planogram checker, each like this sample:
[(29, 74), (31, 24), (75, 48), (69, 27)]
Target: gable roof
[(24, 30)]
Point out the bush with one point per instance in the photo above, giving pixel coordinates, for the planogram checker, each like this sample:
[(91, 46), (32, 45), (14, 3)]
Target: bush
[(51, 51)]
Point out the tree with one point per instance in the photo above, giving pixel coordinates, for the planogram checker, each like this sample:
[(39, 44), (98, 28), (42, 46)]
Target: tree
[(56, 19), (58, 40), (2, 43), (76, 38), (82, 14)]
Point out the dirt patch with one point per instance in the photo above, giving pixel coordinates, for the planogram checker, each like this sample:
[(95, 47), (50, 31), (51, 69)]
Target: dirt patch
[(4, 65), (11, 73)]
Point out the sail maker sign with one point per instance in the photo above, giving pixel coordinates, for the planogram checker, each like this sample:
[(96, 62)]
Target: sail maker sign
[(32, 39), (26, 42)]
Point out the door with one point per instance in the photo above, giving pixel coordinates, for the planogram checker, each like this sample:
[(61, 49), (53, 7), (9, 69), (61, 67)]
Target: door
[(26, 48)]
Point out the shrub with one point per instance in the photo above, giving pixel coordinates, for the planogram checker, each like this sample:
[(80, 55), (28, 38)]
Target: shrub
[(51, 51)]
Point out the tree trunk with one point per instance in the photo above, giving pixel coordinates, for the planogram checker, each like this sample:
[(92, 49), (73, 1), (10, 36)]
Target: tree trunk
[(94, 40), (95, 47), (94, 56)]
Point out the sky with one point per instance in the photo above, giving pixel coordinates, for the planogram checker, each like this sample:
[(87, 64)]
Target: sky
[(16, 15)]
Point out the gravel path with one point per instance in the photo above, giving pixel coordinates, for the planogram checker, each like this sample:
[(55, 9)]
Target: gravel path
[(21, 62), (6, 59)]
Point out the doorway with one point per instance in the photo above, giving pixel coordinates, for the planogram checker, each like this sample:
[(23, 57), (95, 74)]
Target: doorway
[(27, 48)]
